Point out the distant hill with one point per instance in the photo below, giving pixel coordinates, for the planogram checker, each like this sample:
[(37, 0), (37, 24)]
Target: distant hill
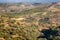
[(17, 7)]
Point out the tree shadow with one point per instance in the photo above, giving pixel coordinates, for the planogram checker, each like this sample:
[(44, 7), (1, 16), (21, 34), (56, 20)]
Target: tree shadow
[(58, 27), (47, 33)]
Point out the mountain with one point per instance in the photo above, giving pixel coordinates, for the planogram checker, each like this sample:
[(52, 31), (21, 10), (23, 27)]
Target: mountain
[(30, 1), (30, 21), (17, 7)]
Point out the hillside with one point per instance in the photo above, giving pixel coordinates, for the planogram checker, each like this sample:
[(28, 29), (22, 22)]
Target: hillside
[(38, 21)]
